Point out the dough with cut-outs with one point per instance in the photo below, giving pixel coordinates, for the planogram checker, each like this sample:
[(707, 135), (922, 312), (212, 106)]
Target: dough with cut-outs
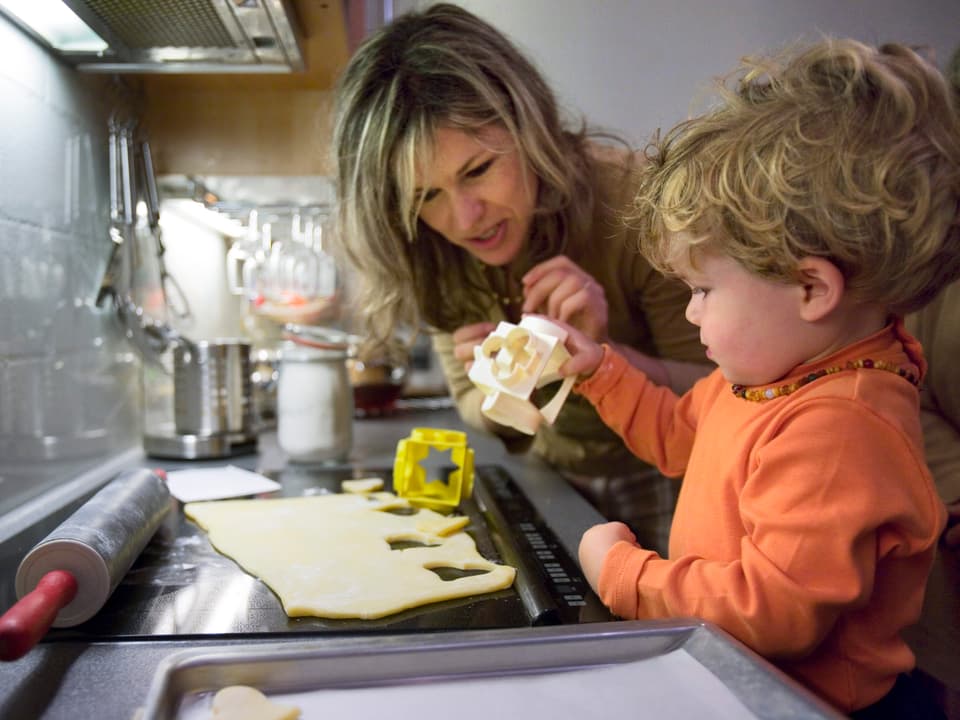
[(242, 702), (330, 555)]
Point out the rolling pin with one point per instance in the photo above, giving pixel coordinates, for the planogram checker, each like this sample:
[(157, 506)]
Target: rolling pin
[(68, 576)]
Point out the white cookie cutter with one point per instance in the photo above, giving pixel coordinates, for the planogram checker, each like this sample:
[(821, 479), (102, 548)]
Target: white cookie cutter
[(511, 363)]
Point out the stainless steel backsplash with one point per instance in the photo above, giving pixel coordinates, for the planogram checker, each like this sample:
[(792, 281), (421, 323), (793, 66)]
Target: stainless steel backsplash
[(69, 382)]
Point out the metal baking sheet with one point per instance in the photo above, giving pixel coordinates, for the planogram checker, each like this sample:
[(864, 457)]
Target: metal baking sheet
[(675, 669), (181, 586)]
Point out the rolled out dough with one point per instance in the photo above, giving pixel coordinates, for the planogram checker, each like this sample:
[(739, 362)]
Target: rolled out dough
[(330, 555)]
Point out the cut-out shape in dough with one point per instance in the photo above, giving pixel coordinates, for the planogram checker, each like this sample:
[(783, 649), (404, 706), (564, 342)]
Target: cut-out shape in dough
[(407, 544), (242, 702), (330, 556), (448, 573)]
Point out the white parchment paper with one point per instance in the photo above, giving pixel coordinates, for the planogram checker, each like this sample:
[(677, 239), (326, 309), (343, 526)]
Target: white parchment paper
[(673, 686)]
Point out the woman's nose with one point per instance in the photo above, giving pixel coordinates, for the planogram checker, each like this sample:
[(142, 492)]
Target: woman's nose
[(467, 211), (692, 313)]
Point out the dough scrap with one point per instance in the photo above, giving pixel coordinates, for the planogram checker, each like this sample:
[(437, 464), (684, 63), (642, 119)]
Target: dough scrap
[(329, 555), (362, 485), (242, 702)]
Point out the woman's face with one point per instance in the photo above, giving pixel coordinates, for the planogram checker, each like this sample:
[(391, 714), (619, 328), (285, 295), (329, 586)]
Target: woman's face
[(478, 193)]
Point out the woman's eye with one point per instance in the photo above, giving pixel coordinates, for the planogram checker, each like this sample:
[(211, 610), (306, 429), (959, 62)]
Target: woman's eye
[(698, 291), (479, 169), (428, 196)]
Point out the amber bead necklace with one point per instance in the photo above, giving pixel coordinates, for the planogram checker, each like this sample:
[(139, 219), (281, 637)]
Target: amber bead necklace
[(763, 394)]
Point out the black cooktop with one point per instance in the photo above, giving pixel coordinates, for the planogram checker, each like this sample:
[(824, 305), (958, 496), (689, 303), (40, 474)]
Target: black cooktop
[(180, 587)]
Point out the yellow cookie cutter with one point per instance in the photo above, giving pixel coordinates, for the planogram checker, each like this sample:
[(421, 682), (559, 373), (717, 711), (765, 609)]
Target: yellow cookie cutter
[(411, 480)]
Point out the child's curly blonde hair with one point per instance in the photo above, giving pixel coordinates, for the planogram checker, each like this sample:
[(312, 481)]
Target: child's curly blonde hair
[(839, 150)]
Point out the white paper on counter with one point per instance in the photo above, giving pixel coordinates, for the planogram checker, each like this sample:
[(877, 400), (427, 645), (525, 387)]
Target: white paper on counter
[(217, 483), (674, 686)]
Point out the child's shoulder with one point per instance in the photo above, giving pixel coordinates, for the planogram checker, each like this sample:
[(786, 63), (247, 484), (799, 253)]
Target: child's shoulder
[(866, 397)]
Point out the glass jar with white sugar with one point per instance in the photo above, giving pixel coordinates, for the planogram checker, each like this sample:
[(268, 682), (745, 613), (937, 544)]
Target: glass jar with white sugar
[(314, 403)]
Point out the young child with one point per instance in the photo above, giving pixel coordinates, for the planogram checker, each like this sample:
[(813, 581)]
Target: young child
[(807, 214)]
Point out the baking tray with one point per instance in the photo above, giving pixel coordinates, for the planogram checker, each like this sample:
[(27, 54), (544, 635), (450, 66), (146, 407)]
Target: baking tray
[(181, 587), (662, 669)]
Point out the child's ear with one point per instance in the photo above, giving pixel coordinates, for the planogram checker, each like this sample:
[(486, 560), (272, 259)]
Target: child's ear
[(823, 286)]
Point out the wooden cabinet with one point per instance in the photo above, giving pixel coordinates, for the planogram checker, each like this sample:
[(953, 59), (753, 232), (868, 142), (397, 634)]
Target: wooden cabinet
[(240, 124)]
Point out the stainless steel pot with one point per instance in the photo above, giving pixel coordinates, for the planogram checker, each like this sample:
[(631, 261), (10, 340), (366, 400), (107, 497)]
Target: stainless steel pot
[(212, 388)]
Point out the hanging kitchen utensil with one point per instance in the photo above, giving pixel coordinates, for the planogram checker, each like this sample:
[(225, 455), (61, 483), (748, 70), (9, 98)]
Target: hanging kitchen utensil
[(115, 284), (128, 195), (174, 299), (150, 336)]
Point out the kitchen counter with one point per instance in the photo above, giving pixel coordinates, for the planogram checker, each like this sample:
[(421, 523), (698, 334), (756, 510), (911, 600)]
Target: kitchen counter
[(111, 679), (60, 680)]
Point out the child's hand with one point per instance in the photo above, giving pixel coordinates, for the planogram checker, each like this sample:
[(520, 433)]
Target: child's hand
[(595, 544), (585, 354)]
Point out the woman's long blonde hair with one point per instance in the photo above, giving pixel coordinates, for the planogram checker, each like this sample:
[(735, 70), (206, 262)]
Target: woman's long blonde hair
[(442, 67)]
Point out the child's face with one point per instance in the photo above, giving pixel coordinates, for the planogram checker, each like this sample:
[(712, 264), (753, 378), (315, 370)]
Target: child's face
[(750, 326)]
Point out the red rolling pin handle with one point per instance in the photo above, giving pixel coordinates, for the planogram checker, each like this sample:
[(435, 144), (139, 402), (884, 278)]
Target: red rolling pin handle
[(22, 626)]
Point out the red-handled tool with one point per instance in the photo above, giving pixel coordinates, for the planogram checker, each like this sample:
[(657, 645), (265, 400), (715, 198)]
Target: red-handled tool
[(22, 626), (67, 578)]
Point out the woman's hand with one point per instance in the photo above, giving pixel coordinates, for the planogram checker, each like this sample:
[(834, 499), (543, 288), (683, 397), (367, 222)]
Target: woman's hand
[(562, 290), (596, 543), (468, 337)]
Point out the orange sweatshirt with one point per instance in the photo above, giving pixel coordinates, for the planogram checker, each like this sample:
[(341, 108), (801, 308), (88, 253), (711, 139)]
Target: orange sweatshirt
[(806, 524)]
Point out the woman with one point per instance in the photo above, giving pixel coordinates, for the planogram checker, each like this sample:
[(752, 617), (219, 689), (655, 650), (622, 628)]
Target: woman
[(464, 201)]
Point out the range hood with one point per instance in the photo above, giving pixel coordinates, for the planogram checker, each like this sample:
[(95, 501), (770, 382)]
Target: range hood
[(190, 36)]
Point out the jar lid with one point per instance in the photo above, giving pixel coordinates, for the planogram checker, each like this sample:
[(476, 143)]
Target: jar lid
[(297, 352), (321, 338)]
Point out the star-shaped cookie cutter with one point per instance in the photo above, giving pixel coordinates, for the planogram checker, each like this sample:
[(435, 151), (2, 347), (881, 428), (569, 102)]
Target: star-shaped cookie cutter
[(423, 476)]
